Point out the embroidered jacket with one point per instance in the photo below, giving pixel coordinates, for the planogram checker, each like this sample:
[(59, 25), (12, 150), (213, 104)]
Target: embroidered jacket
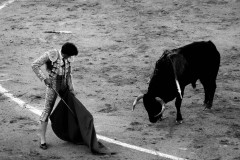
[(55, 65)]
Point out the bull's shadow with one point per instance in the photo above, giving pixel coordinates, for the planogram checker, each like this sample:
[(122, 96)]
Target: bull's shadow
[(168, 128)]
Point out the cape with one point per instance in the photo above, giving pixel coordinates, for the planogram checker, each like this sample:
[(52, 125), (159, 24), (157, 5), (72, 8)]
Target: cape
[(75, 124)]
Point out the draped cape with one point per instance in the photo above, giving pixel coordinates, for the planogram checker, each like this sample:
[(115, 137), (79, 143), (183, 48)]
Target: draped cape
[(75, 124)]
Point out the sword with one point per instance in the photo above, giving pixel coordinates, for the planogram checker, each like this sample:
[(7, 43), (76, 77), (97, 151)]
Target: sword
[(63, 101)]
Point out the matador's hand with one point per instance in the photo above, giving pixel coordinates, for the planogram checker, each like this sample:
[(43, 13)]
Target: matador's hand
[(48, 82), (73, 92)]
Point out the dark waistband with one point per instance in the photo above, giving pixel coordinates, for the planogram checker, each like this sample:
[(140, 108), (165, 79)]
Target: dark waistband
[(58, 77)]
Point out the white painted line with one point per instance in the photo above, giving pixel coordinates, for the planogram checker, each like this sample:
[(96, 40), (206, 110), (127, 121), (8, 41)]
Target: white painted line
[(2, 80), (2, 74), (21, 103), (6, 3), (138, 148)]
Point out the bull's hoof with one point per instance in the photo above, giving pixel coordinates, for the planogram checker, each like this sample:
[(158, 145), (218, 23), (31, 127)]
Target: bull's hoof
[(208, 106), (179, 122), (206, 109)]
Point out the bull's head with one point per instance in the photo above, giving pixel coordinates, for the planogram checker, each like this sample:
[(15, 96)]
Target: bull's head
[(155, 106)]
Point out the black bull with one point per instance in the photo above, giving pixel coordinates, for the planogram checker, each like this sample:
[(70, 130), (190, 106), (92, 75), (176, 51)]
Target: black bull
[(174, 70)]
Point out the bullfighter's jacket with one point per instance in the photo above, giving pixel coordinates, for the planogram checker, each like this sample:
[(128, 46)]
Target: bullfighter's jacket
[(55, 65)]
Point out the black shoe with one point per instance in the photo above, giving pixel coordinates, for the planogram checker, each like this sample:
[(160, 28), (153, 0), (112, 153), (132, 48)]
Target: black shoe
[(43, 146)]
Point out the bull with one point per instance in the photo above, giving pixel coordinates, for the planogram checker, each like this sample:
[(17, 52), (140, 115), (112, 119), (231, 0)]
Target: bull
[(176, 69)]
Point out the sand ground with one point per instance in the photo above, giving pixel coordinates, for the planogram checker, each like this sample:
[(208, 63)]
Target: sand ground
[(119, 42)]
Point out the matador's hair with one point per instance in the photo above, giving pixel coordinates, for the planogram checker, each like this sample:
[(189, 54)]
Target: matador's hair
[(69, 49)]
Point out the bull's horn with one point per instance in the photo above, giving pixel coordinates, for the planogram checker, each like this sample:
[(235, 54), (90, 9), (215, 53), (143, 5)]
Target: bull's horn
[(160, 100), (163, 106), (136, 100)]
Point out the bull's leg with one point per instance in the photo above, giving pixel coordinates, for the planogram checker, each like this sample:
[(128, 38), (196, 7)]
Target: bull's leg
[(206, 87), (206, 97), (178, 103), (209, 89), (212, 89)]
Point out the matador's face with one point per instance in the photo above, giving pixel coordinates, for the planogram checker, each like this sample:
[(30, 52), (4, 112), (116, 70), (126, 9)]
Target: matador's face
[(65, 56)]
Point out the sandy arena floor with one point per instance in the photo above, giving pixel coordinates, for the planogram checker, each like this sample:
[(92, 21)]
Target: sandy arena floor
[(119, 42)]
